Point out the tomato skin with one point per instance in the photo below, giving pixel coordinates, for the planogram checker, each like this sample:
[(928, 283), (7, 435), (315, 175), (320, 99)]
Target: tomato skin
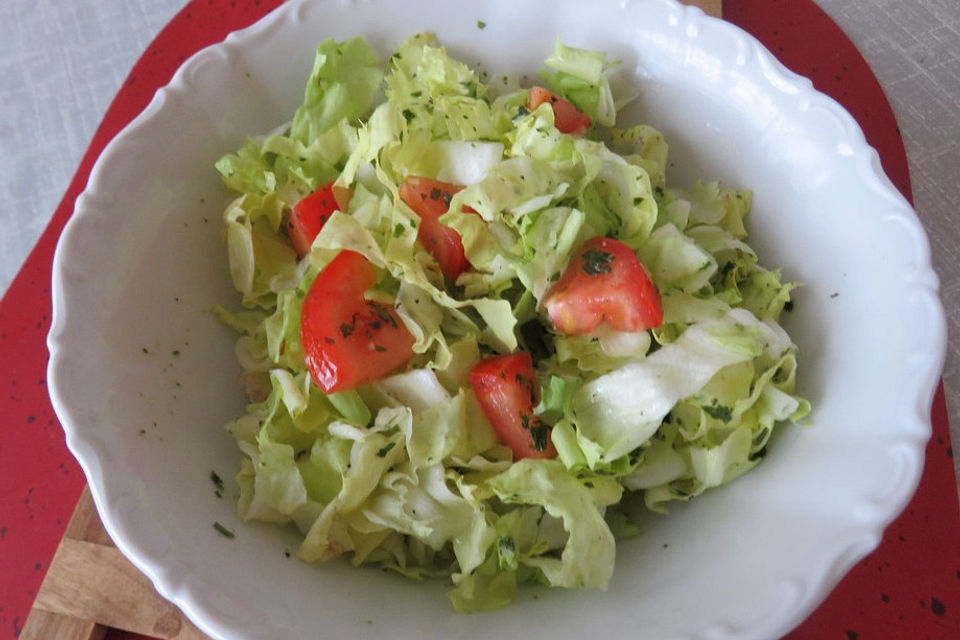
[(566, 117), (430, 199), (311, 213), (347, 340), (507, 389), (604, 282)]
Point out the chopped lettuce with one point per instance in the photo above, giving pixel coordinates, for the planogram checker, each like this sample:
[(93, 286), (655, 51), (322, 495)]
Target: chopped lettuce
[(406, 472)]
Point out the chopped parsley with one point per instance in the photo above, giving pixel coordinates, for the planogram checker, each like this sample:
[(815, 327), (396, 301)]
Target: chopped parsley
[(384, 315), (382, 453), (596, 262), (222, 530), (539, 435), (719, 412), (217, 483)]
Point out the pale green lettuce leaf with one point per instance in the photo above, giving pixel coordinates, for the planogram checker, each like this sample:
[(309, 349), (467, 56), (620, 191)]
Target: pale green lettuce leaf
[(675, 261), (372, 453), (547, 243), (345, 78), (417, 502), (588, 555), (621, 410), (580, 76), (262, 262), (644, 146), (714, 205), (246, 171)]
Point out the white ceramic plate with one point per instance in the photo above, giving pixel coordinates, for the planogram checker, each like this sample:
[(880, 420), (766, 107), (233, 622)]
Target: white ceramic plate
[(142, 375)]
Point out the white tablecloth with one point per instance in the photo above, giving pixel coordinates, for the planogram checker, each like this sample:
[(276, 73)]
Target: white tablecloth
[(62, 61)]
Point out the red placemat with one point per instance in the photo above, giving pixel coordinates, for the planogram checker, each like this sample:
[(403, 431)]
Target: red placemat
[(908, 588)]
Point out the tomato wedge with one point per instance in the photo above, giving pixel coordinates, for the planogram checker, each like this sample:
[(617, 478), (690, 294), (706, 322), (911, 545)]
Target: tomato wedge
[(347, 340), (566, 117), (311, 213), (604, 282), (507, 390), (430, 199)]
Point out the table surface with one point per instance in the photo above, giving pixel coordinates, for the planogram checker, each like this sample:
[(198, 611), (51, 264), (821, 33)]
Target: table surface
[(62, 62)]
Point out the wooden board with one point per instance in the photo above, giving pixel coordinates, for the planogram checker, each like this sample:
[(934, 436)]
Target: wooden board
[(710, 7), (91, 589)]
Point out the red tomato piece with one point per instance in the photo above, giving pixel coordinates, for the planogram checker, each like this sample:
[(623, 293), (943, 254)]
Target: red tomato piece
[(311, 213), (566, 117), (347, 340), (507, 390), (430, 199), (604, 282)]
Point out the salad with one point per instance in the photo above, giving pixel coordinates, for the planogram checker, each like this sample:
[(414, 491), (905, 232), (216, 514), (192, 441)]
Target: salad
[(474, 317)]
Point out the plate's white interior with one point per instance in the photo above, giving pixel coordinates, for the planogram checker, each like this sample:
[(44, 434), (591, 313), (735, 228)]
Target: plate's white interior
[(143, 376)]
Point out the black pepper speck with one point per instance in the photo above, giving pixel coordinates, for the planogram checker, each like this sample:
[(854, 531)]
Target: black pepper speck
[(938, 608)]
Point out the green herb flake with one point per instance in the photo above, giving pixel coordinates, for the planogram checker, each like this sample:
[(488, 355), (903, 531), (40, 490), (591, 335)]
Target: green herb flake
[(382, 453), (719, 412), (217, 483), (398, 230), (596, 262), (539, 435), (481, 24), (222, 530), (384, 315)]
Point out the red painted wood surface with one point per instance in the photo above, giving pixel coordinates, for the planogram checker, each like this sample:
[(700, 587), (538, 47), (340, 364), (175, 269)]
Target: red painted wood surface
[(908, 588)]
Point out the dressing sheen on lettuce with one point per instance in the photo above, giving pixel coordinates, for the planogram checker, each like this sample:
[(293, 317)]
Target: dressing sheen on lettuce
[(406, 473)]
